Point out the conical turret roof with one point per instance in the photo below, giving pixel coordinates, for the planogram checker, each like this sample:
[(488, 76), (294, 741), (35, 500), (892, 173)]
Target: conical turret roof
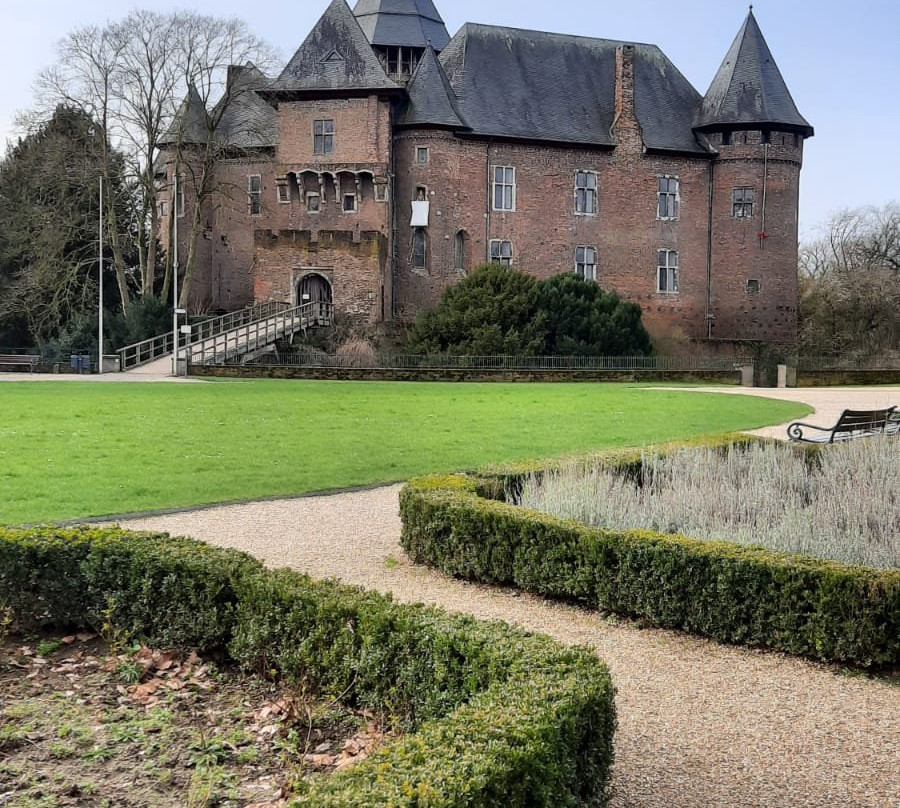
[(409, 23), (432, 101), (189, 126), (749, 90)]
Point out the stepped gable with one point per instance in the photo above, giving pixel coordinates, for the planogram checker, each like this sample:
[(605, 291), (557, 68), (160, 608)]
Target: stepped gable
[(249, 122), (189, 127), (336, 57), (432, 101), (748, 89), (542, 86), (407, 23)]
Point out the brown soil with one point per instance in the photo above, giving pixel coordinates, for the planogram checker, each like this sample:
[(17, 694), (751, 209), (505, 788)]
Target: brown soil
[(81, 726)]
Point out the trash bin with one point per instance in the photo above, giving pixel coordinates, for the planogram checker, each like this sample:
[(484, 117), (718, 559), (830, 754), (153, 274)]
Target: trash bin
[(75, 363), (85, 363)]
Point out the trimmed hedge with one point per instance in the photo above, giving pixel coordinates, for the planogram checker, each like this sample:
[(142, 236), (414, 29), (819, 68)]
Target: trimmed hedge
[(496, 716), (725, 591)]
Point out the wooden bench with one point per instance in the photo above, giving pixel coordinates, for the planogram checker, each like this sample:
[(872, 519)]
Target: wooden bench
[(20, 361), (851, 424)]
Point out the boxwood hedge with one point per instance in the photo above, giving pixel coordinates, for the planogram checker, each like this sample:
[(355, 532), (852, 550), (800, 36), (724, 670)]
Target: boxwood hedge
[(729, 592), (494, 716)]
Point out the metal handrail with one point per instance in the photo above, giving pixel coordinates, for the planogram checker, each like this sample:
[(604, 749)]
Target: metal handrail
[(131, 356), (249, 337), (140, 353)]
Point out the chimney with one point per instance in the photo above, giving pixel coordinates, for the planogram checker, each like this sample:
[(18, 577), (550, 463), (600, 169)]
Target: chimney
[(625, 127)]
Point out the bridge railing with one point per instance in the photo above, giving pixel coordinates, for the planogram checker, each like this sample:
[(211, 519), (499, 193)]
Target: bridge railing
[(249, 337)]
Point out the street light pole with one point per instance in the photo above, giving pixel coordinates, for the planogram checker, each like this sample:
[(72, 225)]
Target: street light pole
[(175, 277), (100, 279)]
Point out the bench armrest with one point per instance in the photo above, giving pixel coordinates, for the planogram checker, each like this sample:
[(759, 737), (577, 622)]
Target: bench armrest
[(795, 431)]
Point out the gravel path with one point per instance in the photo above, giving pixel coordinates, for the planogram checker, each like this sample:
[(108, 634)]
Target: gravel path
[(700, 724)]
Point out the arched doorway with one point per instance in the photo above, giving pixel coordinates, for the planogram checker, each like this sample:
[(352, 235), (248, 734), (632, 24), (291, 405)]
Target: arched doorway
[(313, 288)]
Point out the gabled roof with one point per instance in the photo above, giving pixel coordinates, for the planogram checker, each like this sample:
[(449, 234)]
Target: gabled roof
[(432, 101), (189, 126), (749, 88), (336, 56), (410, 23), (249, 122), (556, 87)]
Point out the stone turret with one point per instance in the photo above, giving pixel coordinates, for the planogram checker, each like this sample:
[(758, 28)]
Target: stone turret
[(749, 117)]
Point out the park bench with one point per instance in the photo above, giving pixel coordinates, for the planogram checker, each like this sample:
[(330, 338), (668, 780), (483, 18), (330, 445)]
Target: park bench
[(851, 424), (20, 361)]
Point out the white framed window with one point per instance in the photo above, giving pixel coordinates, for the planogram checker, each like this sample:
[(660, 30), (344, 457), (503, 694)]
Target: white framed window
[(504, 187), (323, 136), (421, 155), (586, 193), (742, 203), (668, 198), (419, 245), (667, 271), (163, 208), (283, 193), (586, 262), (312, 202), (501, 252), (348, 203), (254, 194)]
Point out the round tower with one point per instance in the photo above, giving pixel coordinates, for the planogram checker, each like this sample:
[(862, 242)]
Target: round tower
[(750, 119)]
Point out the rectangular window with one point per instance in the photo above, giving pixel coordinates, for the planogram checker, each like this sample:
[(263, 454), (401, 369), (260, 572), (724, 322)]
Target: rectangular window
[(254, 194), (323, 137), (418, 248), (504, 187), (421, 154), (179, 198), (283, 193), (586, 263), (752, 285), (163, 208), (742, 203), (349, 203), (501, 252), (668, 271), (667, 198), (585, 192), (312, 203)]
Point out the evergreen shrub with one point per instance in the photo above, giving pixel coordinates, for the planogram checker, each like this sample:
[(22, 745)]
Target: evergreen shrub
[(731, 593), (494, 715)]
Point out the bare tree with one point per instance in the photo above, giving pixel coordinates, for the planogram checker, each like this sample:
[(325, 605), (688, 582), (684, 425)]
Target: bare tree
[(131, 77), (849, 290)]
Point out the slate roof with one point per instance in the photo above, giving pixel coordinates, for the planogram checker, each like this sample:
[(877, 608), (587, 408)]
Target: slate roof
[(749, 88), (432, 101), (410, 23), (335, 57), (189, 124), (556, 87), (249, 122)]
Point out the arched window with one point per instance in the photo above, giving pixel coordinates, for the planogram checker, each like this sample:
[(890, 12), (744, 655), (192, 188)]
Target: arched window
[(418, 248), (459, 251)]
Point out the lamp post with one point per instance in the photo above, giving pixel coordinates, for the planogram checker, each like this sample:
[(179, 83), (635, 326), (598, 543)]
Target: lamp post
[(175, 309), (100, 283)]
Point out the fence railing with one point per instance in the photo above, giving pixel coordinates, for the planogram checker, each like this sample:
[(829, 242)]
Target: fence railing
[(132, 356), (147, 350), (237, 343), (312, 359), (815, 363)]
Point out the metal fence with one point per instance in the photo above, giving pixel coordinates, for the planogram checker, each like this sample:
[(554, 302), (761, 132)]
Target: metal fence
[(316, 359), (816, 363)]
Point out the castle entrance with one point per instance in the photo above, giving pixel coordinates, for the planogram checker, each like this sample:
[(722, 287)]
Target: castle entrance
[(313, 288)]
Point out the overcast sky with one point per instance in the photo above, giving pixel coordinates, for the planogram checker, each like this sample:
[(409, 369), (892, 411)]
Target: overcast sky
[(840, 59)]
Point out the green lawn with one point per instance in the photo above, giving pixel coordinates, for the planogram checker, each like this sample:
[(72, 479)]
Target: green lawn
[(71, 450)]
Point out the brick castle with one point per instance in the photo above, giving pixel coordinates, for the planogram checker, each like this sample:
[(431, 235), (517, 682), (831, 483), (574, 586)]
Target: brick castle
[(388, 159)]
